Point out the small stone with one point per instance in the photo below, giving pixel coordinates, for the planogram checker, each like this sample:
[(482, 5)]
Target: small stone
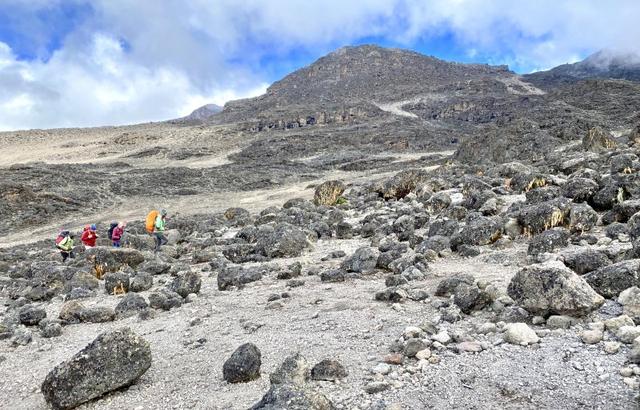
[(376, 387), (413, 346), (487, 328), (611, 347), (423, 354), (626, 372), (328, 370), (442, 337), (591, 337), (520, 334), (538, 320), (631, 382), (412, 332), (561, 322), (394, 358), (381, 368), (471, 347)]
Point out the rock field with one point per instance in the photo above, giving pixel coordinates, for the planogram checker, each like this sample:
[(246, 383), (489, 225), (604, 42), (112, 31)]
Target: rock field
[(366, 260)]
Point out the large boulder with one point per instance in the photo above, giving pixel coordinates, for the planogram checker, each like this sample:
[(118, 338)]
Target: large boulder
[(112, 361), (553, 289), (285, 241), (116, 283), (31, 315), (289, 388), (598, 140), (363, 260), (237, 276), (165, 299), (243, 365), (613, 279), (329, 370), (586, 260), (401, 184), (105, 259), (479, 231), (545, 215), (186, 283), (328, 193), (131, 304), (548, 241)]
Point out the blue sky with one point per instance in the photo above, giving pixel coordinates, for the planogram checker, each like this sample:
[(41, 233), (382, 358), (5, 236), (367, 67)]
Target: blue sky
[(66, 63)]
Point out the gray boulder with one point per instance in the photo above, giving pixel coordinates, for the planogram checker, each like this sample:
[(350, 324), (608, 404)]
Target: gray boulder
[(31, 315), (613, 279), (586, 260), (165, 299), (112, 361), (237, 276), (130, 305), (548, 241), (553, 289), (116, 283), (363, 260), (186, 283), (285, 241)]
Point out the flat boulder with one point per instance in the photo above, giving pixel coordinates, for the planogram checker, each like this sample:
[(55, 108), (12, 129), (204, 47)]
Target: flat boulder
[(285, 241), (553, 289), (113, 360)]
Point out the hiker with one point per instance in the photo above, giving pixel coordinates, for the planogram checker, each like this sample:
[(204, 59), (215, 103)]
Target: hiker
[(117, 233), (158, 230), (64, 242), (89, 236), (113, 226)]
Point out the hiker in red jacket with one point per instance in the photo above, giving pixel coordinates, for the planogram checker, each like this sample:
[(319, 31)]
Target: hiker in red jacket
[(89, 236), (116, 235)]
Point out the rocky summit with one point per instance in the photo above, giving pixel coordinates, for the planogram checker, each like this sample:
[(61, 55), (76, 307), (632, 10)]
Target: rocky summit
[(380, 230)]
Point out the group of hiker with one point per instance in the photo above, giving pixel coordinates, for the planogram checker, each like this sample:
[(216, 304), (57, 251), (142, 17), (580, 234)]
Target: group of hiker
[(154, 225)]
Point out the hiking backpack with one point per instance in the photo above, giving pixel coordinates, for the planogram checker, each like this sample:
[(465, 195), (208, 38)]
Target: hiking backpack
[(150, 223), (60, 238), (111, 228)]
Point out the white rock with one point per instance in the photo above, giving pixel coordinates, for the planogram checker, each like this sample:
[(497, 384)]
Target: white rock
[(520, 334), (591, 337), (611, 347), (423, 354), (442, 337), (616, 323), (627, 334), (487, 328), (412, 332), (381, 368)]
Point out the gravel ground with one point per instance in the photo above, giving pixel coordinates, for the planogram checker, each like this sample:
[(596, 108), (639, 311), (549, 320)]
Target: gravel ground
[(340, 321)]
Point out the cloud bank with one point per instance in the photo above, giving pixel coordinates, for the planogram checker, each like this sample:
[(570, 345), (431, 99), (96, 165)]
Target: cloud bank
[(66, 63)]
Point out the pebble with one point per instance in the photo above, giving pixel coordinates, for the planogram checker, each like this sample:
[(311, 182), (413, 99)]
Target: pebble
[(394, 358), (376, 387), (442, 337), (472, 347), (537, 320), (381, 368), (423, 354), (626, 372), (487, 328), (412, 332), (631, 382)]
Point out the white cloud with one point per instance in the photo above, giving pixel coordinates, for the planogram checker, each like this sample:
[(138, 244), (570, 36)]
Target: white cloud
[(134, 61)]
